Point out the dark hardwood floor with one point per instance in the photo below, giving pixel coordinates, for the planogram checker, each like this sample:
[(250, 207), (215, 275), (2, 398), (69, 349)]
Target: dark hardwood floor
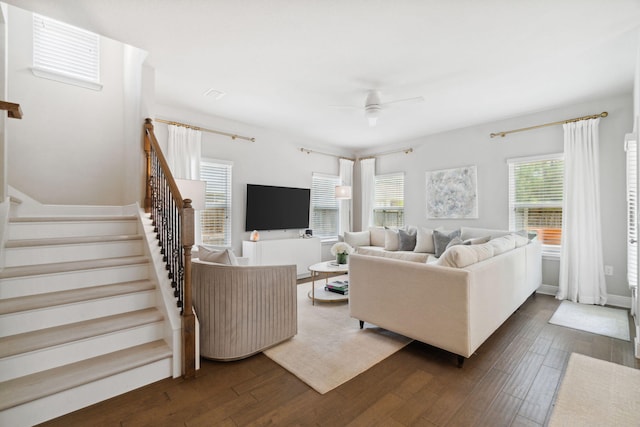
[(512, 380)]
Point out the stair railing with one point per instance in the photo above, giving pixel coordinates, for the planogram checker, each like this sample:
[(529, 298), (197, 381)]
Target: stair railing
[(173, 222)]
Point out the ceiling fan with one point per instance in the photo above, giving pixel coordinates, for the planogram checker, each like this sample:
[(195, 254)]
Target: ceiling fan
[(373, 105)]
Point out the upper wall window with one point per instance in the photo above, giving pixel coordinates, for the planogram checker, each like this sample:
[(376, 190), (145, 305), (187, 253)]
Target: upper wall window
[(535, 198), (65, 53), (389, 200), (215, 220)]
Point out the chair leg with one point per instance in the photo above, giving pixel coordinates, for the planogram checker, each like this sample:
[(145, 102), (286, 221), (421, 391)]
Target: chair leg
[(460, 361), (361, 324)]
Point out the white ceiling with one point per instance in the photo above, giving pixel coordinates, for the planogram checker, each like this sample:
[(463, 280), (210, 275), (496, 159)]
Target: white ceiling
[(284, 63)]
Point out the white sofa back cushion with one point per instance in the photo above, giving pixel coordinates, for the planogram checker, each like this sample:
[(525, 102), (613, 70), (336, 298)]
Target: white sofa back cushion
[(467, 233), (460, 256)]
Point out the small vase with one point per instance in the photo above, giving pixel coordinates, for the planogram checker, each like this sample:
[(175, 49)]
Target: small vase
[(341, 258)]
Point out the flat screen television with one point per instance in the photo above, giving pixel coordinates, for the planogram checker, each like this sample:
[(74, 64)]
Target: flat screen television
[(277, 208)]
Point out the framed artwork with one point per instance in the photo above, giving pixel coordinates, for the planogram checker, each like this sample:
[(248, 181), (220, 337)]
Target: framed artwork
[(452, 193)]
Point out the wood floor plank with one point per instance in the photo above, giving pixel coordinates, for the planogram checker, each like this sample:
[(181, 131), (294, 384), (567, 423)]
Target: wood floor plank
[(509, 381)]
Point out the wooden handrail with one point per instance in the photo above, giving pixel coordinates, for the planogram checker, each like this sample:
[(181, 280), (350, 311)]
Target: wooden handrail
[(174, 223), (13, 110)]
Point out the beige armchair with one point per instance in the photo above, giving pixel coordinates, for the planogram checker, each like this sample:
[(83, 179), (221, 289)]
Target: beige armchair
[(243, 310)]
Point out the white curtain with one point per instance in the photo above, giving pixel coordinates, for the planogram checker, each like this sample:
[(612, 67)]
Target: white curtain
[(367, 178), (581, 265), (183, 152), (346, 178)]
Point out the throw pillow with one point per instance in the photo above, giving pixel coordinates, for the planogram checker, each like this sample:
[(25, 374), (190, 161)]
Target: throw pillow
[(391, 239), (477, 241), (519, 239), (219, 257), (454, 241), (377, 235), (502, 244), (460, 256), (441, 240), (357, 238), (406, 240), (424, 241)]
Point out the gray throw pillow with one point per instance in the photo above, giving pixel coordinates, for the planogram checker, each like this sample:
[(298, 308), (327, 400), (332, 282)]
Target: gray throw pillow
[(407, 240), (441, 240)]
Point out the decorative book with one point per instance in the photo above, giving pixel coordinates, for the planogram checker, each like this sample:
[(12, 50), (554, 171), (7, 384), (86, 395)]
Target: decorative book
[(339, 287)]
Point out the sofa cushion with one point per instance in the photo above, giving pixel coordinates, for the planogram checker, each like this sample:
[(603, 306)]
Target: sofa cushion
[(391, 239), (357, 238), (467, 233), (424, 240), (460, 256), (502, 244), (376, 236), (403, 255), (219, 257), (441, 240), (407, 239), (519, 239)]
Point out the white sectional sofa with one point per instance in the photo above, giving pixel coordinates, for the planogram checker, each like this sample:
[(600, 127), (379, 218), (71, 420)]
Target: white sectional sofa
[(454, 302)]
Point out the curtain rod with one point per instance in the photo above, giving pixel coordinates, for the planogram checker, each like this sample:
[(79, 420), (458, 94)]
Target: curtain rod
[(373, 156), (230, 135), (306, 150), (562, 122)]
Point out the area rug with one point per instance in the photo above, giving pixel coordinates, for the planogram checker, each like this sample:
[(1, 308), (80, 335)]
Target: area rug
[(330, 348), (597, 393), (610, 322)]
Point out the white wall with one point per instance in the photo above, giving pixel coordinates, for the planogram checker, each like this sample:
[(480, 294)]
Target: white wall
[(273, 159), (71, 144), (473, 146)]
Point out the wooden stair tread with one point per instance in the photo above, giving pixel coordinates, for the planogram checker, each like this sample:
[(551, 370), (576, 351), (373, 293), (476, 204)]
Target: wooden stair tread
[(35, 386), (51, 299), (55, 241), (50, 337), (83, 218), (63, 267)]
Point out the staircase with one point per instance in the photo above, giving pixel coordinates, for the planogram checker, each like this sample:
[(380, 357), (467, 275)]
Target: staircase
[(79, 317)]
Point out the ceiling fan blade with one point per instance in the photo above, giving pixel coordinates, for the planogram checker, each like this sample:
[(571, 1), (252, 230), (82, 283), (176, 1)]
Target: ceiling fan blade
[(402, 101), (345, 107)]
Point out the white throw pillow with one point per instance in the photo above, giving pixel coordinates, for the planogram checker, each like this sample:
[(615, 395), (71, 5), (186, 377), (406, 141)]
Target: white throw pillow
[(391, 239), (377, 236), (460, 256), (424, 241), (219, 257), (357, 238), (502, 244)]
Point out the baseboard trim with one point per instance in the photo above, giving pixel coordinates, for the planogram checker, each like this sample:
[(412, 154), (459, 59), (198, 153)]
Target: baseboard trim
[(614, 300)]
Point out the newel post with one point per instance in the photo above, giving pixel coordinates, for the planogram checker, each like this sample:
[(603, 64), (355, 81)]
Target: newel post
[(188, 318), (147, 153)]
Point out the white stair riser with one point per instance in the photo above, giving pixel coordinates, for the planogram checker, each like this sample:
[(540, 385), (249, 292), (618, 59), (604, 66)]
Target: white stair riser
[(43, 230), (30, 285), (34, 255), (17, 323), (71, 400), (52, 357)]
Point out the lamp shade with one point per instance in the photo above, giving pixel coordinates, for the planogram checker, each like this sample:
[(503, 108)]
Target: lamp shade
[(194, 190), (343, 192)]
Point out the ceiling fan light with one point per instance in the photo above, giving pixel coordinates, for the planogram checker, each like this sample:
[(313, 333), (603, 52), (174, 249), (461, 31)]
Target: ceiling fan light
[(372, 121), (372, 113)]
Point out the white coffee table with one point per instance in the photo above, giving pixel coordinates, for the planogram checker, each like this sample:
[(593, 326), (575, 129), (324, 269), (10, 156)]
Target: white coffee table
[(327, 268)]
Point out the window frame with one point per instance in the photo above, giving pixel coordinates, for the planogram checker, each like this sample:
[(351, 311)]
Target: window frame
[(385, 208), (227, 204), (550, 251), (65, 53), (329, 196)]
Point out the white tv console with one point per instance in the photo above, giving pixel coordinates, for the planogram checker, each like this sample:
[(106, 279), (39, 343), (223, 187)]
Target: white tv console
[(302, 252)]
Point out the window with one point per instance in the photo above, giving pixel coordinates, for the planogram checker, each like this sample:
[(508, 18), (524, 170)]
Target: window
[(535, 198), (631, 147), (388, 209), (324, 206), (215, 220), (65, 53)]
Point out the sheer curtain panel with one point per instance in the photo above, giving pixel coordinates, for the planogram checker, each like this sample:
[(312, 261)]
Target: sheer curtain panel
[(183, 152), (581, 265), (367, 178), (346, 178)]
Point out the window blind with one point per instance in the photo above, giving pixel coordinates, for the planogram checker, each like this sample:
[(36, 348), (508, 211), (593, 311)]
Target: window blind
[(324, 206), (389, 200), (64, 49), (216, 218), (535, 198), (631, 147)]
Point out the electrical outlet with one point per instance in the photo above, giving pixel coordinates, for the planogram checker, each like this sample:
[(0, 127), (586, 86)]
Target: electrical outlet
[(608, 270)]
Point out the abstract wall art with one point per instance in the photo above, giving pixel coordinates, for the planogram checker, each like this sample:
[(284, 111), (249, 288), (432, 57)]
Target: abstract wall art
[(452, 193)]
